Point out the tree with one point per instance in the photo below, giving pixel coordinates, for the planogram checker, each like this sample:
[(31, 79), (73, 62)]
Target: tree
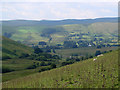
[(98, 52), (37, 50), (90, 56), (56, 57), (108, 45), (6, 57), (69, 44), (48, 50), (67, 63), (42, 43), (24, 55), (77, 59), (8, 35), (53, 65), (42, 64), (38, 64), (6, 69), (54, 51), (32, 67), (99, 46)]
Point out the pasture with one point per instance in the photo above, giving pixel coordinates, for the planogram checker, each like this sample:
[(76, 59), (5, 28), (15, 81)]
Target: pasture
[(102, 73), (81, 51)]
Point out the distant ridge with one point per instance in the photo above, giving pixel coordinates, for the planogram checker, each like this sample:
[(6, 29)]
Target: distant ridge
[(57, 22)]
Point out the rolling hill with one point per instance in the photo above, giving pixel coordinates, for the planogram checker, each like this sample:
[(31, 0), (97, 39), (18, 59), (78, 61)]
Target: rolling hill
[(65, 42), (19, 60), (13, 49), (102, 73), (56, 22), (57, 31)]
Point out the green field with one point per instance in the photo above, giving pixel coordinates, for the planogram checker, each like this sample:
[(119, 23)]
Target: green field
[(82, 51), (61, 33), (20, 68), (20, 73), (102, 73), (14, 49), (20, 65), (60, 54), (14, 58)]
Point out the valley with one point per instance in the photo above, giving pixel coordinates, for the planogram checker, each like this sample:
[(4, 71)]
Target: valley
[(60, 54)]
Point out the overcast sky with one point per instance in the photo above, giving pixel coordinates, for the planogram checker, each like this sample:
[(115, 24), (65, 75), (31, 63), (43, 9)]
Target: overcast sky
[(34, 10)]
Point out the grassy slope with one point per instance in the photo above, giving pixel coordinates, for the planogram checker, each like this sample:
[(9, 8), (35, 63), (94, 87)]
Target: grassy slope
[(20, 73), (32, 34), (99, 27), (105, 29), (13, 49), (16, 63), (19, 65), (85, 74), (82, 51)]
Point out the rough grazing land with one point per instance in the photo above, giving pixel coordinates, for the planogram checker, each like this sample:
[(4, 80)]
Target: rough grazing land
[(102, 73)]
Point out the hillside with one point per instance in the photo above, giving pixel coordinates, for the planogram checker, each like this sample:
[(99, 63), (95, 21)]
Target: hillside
[(13, 49), (102, 73), (56, 22), (55, 32), (19, 60)]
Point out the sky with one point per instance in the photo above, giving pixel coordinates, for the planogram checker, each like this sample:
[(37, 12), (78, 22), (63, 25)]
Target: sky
[(38, 10)]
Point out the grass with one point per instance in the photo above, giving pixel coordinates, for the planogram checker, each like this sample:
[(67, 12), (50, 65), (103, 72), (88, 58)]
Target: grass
[(14, 49), (32, 34), (19, 65), (18, 74), (81, 51), (102, 73)]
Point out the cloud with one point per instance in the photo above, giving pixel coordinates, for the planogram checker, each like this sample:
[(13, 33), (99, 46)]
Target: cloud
[(59, 0), (106, 11), (21, 11), (49, 10), (74, 14)]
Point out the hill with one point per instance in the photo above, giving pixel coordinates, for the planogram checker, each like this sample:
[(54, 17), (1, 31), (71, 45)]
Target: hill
[(55, 32), (56, 22), (101, 73), (13, 49), (19, 60)]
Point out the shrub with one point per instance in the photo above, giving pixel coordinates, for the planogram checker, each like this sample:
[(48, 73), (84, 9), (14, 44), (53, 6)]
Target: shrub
[(37, 50), (99, 46), (44, 69), (82, 58), (68, 59), (90, 56), (110, 50), (48, 50), (6, 57), (49, 63), (32, 67), (105, 52), (98, 52), (53, 65), (42, 64), (66, 63), (6, 69), (48, 56), (24, 55), (56, 57), (77, 59), (54, 51)]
